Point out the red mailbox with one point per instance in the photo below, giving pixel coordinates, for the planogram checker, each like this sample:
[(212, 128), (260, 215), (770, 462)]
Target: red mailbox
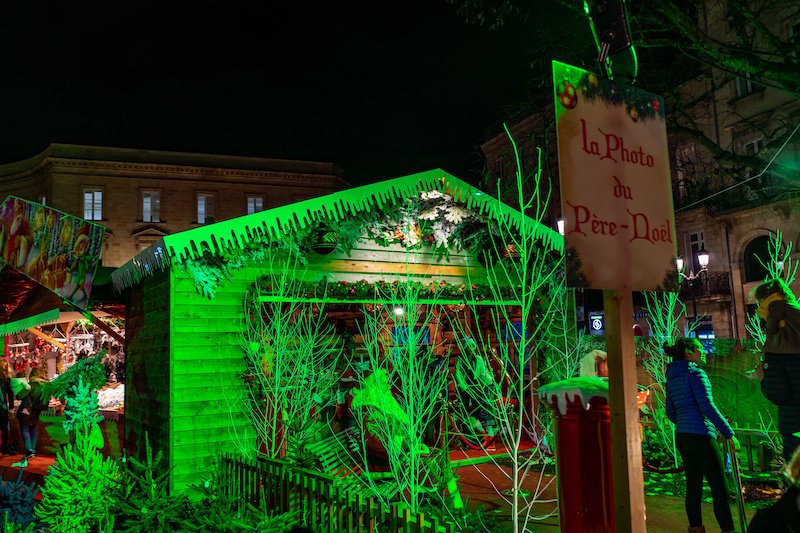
[(583, 453)]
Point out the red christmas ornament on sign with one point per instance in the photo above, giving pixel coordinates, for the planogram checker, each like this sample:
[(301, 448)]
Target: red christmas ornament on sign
[(567, 94), (656, 104)]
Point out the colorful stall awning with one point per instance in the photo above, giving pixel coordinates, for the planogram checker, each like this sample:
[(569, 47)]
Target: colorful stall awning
[(47, 257)]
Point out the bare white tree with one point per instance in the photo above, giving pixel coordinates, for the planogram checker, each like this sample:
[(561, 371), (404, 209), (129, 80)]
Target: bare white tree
[(529, 289), (292, 353)]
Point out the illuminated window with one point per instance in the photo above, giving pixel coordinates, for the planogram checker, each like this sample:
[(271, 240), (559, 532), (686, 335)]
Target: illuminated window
[(205, 208), (255, 204), (93, 204), (43, 200), (151, 206)]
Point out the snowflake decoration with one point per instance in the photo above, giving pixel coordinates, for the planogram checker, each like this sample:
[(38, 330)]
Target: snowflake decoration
[(456, 214)]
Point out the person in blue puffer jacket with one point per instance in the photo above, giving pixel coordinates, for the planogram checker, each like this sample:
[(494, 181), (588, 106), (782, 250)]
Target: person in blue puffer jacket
[(690, 406)]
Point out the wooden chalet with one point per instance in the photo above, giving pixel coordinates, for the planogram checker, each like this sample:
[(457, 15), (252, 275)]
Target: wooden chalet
[(184, 351)]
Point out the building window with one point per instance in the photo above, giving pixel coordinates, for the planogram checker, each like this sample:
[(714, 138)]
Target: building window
[(255, 204), (704, 329), (151, 206), (93, 204), (685, 159), (205, 208), (753, 146), (43, 200), (755, 254), (694, 243), (745, 85)]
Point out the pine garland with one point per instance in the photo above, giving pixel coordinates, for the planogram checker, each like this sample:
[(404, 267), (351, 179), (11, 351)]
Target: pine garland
[(381, 289), (639, 105)]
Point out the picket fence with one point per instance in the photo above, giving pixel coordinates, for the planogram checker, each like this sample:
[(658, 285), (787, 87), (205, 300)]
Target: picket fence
[(318, 502)]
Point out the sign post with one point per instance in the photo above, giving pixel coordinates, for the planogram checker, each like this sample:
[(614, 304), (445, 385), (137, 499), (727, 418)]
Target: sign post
[(616, 199)]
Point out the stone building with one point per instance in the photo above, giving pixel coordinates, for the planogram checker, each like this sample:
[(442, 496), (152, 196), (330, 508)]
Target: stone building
[(736, 167), (735, 164), (142, 195)]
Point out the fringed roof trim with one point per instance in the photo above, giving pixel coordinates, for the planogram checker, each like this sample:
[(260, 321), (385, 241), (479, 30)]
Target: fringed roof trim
[(145, 263), (48, 317), (265, 226)]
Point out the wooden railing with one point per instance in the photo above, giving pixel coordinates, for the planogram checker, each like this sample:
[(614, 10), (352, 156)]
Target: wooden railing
[(709, 284), (317, 501), (757, 453)]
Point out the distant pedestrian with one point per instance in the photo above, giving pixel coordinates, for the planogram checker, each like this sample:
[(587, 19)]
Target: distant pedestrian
[(6, 404), (784, 515), (780, 367), (690, 406), (34, 401)]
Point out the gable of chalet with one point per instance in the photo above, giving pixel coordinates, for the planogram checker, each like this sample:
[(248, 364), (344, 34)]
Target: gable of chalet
[(229, 235)]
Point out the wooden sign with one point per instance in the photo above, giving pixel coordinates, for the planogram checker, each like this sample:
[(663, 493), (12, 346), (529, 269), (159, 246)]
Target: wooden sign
[(616, 194)]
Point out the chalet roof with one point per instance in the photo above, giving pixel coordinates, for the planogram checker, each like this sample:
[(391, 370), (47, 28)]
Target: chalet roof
[(229, 235)]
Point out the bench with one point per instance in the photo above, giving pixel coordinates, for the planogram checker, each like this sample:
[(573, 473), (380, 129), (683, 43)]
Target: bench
[(340, 456)]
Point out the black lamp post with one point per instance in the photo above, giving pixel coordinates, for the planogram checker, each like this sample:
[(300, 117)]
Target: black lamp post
[(702, 259)]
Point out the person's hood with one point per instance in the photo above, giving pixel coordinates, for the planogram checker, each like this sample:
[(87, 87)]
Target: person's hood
[(676, 368)]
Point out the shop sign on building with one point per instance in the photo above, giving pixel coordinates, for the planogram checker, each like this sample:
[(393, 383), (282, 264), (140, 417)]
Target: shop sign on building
[(616, 195)]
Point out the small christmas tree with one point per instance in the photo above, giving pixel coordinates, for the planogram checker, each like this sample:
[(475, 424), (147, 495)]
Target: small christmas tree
[(17, 500), (145, 503), (13, 527), (220, 511), (80, 489)]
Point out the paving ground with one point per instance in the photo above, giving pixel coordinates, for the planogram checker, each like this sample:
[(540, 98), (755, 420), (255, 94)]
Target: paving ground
[(664, 514), (482, 484)]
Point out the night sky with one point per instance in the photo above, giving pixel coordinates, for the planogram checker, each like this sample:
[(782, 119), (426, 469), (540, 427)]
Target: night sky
[(382, 88)]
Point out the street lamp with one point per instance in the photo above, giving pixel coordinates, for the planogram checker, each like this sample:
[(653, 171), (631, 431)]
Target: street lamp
[(702, 259)]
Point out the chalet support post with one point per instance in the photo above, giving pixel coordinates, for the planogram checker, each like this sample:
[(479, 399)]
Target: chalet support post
[(533, 386), (97, 322), (626, 444)]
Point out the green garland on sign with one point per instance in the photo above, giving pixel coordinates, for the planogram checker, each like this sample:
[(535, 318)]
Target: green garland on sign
[(639, 105)]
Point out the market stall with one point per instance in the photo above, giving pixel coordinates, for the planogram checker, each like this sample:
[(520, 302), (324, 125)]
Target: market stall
[(185, 298), (49, 314)]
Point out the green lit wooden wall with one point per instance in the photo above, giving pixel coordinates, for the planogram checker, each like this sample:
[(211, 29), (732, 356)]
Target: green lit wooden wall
[(147, 355), (186, 351), (206, 403)]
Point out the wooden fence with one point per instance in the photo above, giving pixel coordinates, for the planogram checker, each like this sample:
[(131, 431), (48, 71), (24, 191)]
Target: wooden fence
[(318, 502)]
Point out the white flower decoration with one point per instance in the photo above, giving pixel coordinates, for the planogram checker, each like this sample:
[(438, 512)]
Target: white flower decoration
[(441, 236), (430, 214), (456, 214), (430, 195)]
